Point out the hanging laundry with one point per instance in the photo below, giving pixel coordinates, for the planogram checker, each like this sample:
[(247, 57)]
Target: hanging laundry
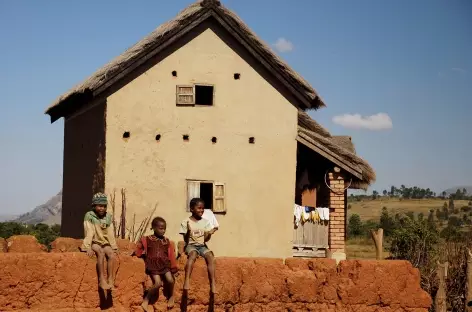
[(315, 216), (306, 216), (320, 213), (297, 212), (326, 213), (323, 212)]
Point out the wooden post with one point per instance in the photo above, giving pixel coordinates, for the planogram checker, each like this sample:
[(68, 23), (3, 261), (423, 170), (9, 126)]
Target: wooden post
[(123, 213), (440, 300), (112, 202), (377, 236), (468, 294)]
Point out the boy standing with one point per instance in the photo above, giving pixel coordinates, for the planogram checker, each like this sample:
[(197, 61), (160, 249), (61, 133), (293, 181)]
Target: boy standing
[(100, 239), (196, 232)]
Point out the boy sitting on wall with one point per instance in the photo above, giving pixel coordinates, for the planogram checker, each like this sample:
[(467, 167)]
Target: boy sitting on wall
[(196, 232), (100, 239)]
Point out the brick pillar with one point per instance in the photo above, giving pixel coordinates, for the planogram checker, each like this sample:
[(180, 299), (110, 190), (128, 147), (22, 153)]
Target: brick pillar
[(337, 215)]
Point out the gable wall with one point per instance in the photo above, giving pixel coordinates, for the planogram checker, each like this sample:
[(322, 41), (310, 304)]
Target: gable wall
[(259, 177)]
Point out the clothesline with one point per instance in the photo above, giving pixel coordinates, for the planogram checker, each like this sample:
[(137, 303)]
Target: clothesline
[(305, 214)]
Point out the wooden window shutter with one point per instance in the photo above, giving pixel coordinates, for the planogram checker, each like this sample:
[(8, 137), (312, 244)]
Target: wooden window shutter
[(219, 202), (185, 95), (193, 191)]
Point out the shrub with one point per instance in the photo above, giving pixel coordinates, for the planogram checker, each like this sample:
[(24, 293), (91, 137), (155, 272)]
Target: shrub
[(355, 227)]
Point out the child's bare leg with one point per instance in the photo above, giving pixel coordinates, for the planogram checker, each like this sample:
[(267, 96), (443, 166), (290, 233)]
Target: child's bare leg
[(170, 281), (210, 260), (156, 283), (101, 266), (188, 268), (111, 257)]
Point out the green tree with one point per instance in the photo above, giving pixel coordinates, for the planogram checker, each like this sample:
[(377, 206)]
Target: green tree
[(385, 193), (375, 194), (355, 227), (8, 229), (387, 223), (414, 241), (450, 233)]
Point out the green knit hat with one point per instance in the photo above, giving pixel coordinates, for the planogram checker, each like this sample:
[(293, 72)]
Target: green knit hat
[(99, 199)]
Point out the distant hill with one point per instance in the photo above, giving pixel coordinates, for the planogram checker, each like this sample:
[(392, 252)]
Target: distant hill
[(48, 213), (453, 190)]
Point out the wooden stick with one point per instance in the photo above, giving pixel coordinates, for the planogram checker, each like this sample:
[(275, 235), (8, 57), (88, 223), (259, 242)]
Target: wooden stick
[(123, 213), (377, 236), (112, 202), (138, 235), (148, 220), (468, 293), (131, 234), (440, 299)]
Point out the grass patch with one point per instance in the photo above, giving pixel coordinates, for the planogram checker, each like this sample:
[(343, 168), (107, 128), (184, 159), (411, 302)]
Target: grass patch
[(363, 248), (371, 209)]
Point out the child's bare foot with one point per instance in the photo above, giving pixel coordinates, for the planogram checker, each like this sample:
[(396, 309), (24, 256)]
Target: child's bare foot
[(145, 306), (171, 302), (111, 283), (104, 285), (213, 289)]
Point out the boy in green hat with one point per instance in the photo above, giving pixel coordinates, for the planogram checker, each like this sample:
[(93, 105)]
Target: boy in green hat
[(100, 239)]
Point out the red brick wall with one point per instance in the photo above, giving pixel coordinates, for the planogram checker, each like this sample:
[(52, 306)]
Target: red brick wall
[(337, 230)]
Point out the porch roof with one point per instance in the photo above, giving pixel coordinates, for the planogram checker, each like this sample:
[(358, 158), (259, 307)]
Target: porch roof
[(337, 149)]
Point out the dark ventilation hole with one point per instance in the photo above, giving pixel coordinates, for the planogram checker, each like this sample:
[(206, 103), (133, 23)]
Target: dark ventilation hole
[(186, 137), (174, 73), (237, 76), (158, 137), (213, 139), (252, 140), (126, 135)]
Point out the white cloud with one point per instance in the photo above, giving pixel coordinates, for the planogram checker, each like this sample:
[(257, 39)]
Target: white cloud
[(283, 45), (380, 121), (459, 70), (451, 72)]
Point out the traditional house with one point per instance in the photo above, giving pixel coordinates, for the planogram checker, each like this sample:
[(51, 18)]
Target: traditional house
[(202, 107)]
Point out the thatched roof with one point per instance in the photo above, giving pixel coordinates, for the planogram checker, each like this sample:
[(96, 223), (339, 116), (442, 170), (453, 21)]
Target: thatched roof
[(305, 121), (156, 41), (344, 141), (338, 149)]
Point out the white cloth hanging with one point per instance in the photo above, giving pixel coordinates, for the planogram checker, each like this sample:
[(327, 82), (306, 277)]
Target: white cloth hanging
[(320, 213), (323, 212), (297, 212)]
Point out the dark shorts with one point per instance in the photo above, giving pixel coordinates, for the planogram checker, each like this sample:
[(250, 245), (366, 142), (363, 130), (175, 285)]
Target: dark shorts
[(201, 250)]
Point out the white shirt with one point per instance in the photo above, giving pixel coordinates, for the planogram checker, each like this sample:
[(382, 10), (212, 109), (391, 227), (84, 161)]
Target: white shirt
[(210, 216)]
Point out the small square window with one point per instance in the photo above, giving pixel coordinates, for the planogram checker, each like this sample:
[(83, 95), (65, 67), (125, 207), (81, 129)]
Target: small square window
[(212, 193), (204, 95)]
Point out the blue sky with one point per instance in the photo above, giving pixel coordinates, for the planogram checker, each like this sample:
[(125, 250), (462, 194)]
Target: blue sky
[(410, 60)]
